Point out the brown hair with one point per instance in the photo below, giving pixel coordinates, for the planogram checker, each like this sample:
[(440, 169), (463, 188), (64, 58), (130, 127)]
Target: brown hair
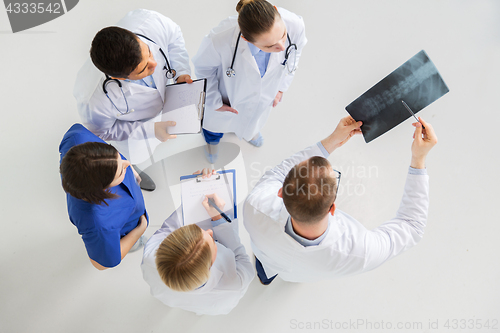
[(88, 169), (184, 259), (309, 190), (255, 17), (116, 52)]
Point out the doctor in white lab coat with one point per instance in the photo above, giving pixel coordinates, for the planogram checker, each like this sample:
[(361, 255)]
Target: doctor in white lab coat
[(119, 115), (241, 103), (230, 274), (333, 244)]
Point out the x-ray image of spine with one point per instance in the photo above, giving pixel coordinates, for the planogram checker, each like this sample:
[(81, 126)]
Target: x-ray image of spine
[(417, 82)]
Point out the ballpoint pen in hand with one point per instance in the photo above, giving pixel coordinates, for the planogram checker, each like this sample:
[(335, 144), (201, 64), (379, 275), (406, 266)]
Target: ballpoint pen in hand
[(411, 112), (212, 203)]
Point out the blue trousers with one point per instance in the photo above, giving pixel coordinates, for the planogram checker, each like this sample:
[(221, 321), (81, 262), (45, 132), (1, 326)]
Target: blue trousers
[(211, 137), (262, 274)]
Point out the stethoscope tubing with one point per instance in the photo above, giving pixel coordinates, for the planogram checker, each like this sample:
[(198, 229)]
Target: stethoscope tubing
[(170, 75), (230, 72)]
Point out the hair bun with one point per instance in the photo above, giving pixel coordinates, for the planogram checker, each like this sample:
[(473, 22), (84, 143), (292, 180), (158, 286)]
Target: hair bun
[(242, 3)]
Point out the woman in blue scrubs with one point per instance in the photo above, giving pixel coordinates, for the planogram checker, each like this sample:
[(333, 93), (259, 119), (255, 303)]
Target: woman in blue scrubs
[(104, 199)]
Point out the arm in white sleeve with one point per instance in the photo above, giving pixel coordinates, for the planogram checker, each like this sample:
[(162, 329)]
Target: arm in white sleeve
[(405, 230), (226, 234), (206, 64), (300, 41), (96, 117)]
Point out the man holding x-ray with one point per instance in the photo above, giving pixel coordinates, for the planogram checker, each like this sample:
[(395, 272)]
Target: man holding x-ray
[(298, 234)]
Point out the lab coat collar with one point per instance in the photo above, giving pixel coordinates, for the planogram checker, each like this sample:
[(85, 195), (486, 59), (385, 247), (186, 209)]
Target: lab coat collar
[(159, 73), (243, 53), (213, 280)]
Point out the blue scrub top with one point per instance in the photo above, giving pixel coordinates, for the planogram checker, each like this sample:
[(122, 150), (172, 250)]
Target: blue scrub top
[(101, 226)]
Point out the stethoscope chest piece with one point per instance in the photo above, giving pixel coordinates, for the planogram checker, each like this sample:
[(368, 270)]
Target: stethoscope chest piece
[(170, 73), (230, 72)]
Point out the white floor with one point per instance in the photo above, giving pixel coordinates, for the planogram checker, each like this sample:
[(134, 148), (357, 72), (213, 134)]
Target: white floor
[(47, 283)]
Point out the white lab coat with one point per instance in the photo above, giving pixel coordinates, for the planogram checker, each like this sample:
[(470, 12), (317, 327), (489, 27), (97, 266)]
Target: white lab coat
[(230, 274), (348, 247), (98, 113), (247, 92)]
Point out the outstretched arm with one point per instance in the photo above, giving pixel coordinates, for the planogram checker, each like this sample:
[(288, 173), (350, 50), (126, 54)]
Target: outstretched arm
[(407, 228)]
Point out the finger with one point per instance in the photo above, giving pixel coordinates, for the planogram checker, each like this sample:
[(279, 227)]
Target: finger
[(429, 130), (233, 110), (417, 135), (197, 172), (355, 125), (172, 136), (171, 123), (205, 202)]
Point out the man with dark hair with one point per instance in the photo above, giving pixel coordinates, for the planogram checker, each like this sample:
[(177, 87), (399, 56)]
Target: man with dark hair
[(298, 234), (122, 85)]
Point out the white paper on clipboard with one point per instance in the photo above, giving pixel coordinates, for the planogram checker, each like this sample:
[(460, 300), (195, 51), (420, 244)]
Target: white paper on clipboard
[(193, 193), (186, 119), (184, 98)]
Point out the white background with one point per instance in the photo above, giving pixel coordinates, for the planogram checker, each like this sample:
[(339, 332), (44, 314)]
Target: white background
[(47, 283)]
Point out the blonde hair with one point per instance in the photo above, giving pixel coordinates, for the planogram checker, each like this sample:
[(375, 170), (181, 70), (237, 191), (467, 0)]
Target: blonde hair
[(184, 259), (255, 17)]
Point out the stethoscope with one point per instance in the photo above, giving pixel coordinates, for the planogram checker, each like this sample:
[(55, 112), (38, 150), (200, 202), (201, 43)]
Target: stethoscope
[(289, 64), (170, 75)]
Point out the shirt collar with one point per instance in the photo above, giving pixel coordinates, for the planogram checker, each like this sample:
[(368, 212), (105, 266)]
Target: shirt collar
[(253, 49), (301, 240)]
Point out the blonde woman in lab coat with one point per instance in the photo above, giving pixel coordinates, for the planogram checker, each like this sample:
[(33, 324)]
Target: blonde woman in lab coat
[(203, 271), (245, 61)]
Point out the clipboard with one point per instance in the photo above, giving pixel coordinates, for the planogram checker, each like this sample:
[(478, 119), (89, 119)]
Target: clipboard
[(193, 191), (185, 104)]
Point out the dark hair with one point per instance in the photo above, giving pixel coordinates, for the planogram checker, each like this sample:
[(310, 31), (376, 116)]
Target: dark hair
[(309, 190), (255, 17), (116, 52), (88, 169)]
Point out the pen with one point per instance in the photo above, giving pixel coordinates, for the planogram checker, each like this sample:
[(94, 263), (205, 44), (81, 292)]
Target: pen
[(212, 203), (411, 112)]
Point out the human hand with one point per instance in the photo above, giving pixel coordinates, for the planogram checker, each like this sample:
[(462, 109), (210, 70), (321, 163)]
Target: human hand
[(214, 214), (205, 173), (227, 108), (423, 141), (161, 130), (278, 98), (346, 128), (143, 224), (184, 78)]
